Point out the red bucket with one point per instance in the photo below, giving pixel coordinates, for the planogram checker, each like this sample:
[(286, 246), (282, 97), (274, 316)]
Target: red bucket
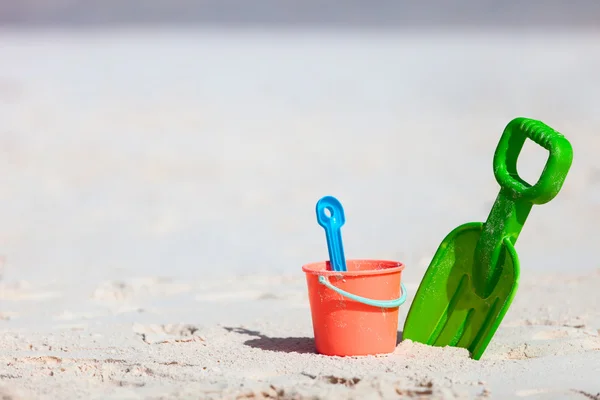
[(355, 312)]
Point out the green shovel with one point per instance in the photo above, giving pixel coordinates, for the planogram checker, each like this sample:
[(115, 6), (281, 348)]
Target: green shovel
[(474, 274)]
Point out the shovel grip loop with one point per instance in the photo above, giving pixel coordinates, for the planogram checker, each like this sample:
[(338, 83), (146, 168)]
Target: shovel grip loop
[(364, 300), (555, 171)]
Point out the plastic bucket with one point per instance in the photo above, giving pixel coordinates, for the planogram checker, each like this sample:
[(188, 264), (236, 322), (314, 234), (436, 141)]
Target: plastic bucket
[(355, 312)]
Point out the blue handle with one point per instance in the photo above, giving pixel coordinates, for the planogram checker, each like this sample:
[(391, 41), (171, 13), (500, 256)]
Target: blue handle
[(332, 224), (370, 302)]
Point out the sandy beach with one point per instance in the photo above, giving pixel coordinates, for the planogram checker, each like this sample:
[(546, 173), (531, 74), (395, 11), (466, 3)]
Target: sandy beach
[(158, 193)]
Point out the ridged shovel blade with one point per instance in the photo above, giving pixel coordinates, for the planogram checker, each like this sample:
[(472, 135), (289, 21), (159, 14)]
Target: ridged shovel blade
[(446, 311)]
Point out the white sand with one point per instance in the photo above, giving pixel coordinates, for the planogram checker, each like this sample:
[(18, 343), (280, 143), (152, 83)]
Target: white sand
[(158, 202)]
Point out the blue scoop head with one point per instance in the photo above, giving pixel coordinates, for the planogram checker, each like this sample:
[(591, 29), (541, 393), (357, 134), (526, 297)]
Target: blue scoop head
[(330, 216)]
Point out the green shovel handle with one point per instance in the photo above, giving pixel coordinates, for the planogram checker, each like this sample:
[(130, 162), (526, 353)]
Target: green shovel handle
[(554, 173)]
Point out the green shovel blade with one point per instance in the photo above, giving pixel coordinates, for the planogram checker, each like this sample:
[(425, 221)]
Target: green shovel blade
[(446, 311), (473, 277)]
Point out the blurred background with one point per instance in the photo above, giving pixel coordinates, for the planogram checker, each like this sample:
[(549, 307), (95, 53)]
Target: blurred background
[(192, 139)]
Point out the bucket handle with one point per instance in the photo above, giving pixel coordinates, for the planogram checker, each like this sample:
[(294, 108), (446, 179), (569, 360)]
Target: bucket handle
[(370, 302)]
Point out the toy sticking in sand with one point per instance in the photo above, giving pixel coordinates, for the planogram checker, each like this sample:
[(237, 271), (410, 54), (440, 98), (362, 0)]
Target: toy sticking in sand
[(474, 275), (354, 304), (469, 284)]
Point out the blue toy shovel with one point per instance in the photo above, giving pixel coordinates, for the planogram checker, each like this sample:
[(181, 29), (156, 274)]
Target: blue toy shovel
[(330, 215)]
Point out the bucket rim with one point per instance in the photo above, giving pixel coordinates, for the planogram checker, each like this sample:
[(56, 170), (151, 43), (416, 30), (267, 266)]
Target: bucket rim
[(307, 268)]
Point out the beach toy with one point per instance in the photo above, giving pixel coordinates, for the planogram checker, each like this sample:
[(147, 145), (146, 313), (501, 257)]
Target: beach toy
[(330, 215), (473, 277), (355, 313), (355, 309)]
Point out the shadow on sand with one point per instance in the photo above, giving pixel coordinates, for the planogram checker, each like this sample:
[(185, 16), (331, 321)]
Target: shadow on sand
[(303, 345)]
